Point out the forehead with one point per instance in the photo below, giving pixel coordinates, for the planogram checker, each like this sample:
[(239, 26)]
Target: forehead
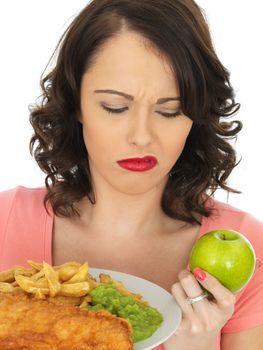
[(132, 57)]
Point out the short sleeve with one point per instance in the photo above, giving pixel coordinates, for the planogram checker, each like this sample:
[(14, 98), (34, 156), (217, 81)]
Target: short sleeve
[(6, 201), (249, 305), (25, 227)]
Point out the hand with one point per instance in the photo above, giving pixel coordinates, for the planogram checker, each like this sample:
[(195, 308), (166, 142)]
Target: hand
[(202, 321)]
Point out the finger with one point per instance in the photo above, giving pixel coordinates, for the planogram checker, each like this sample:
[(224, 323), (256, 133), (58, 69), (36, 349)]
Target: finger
[(223, 297), (192, 289), (181, 298)]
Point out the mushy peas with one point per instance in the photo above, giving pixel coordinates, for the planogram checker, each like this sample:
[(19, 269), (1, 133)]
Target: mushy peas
[(145, 320)]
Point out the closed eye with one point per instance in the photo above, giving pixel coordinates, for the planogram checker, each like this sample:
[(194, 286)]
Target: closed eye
[(120, 110), (114, 110)]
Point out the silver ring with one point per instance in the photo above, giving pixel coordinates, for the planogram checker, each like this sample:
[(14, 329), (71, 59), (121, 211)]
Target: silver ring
[(198, 298)]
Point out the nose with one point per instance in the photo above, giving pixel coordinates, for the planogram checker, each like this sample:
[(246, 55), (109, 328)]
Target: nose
[(140, 131)]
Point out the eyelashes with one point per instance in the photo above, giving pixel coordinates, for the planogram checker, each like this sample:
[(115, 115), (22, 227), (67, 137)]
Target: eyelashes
[(121, 110), (114, 110)]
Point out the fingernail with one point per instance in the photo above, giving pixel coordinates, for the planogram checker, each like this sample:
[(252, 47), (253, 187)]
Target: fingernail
[(200, 274)]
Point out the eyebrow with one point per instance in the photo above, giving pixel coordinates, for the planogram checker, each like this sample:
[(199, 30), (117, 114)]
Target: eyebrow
[(131, 98)]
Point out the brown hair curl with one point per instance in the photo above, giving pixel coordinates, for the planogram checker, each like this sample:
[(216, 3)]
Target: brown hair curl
[(177, 28)]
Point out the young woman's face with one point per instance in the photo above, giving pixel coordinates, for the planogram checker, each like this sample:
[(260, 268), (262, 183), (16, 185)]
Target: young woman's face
[(142, 127)]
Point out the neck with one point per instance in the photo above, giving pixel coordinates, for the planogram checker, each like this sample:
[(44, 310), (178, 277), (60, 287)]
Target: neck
[(123, 214)]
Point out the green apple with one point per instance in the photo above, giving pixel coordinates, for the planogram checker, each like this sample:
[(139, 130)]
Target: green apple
[(227, 255)]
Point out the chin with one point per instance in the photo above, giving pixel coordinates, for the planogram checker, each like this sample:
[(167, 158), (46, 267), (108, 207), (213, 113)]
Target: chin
[(137, 187)]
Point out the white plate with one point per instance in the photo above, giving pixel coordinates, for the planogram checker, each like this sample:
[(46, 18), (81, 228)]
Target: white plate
[(157, 297)]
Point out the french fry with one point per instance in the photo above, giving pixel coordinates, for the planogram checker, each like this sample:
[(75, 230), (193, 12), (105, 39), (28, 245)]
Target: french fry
[(80, 275), (75, 289), (39, 294), (105, 279), (67, 270), (67, 284), (93, 283), (36, 265), (125, 291), (20, 270), (52, 278), (37, 276), (41, 282), (90, 277), (6, 287), (31, 286), (69, 263), (7, 276), (85, 301)]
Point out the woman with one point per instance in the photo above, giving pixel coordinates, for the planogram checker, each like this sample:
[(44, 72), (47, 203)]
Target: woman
[(133, 134)]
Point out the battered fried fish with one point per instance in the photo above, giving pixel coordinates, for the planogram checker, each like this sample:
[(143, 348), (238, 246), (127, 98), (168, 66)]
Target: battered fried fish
[(28, 324)]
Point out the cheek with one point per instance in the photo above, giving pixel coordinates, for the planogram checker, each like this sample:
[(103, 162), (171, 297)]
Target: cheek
[(99, 141), (90, 136), (175, 149), (175, 141)]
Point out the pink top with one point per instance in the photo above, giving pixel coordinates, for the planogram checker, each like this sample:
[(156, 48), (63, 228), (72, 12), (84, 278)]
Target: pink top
[(26, 233)]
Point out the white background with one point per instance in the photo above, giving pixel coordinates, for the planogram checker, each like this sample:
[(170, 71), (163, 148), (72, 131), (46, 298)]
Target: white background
[(29, 32)]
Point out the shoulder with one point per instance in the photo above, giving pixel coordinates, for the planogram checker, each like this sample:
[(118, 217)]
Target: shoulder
[(20, 200), (226, 212), (248, 312), (25, 226), (21, 193), (226, 216), (21, 190)]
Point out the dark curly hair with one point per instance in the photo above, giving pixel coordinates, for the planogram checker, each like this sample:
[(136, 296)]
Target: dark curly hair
[(179, 32)]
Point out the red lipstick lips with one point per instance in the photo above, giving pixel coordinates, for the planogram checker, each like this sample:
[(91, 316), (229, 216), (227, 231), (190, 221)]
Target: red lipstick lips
[(138, 164)]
